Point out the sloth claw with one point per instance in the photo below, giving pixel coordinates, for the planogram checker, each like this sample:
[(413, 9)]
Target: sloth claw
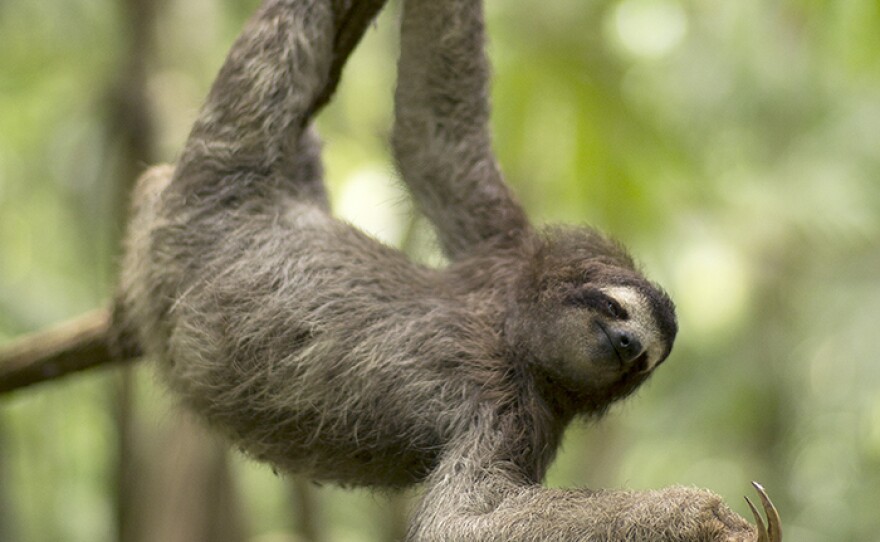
[(772, 531)]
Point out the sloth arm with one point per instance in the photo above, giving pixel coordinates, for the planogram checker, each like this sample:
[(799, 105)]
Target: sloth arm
[(441, 137), (477, 495), (252, 141)]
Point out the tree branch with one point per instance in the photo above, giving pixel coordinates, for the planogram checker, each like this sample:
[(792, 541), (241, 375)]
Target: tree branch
[(73, 346)]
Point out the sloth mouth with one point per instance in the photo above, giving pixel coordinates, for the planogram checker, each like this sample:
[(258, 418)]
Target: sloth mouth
[(640, 365)]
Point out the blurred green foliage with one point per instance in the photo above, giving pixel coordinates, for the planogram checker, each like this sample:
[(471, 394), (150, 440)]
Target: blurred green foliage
[(734, 146)]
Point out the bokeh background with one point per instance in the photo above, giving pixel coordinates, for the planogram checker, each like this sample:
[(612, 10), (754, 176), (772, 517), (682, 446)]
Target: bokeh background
[(733, 145)]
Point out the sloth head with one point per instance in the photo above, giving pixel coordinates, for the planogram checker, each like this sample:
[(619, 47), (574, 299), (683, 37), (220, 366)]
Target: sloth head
[(588, 320)]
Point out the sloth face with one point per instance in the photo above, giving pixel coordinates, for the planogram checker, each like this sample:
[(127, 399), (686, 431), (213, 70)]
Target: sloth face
[(608, 333), (629, 334), (599, 338)]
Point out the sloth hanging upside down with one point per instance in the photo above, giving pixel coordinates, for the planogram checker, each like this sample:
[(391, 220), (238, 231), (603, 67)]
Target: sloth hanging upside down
[(321, 351)]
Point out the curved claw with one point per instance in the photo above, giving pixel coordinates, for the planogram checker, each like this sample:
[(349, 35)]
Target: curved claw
[(772, 531), (762, 530)]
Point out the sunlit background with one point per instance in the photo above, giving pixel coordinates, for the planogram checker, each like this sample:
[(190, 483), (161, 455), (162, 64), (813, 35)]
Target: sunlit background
[(733, 145)]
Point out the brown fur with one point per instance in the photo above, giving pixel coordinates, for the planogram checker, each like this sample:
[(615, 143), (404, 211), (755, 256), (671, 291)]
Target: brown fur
[(321, 351)]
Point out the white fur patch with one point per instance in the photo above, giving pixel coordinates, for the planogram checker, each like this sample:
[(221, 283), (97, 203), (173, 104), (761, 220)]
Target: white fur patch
[(641, 320)]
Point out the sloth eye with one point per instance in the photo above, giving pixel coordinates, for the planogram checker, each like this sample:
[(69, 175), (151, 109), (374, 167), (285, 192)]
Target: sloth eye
[(598, 302), (614, 310)]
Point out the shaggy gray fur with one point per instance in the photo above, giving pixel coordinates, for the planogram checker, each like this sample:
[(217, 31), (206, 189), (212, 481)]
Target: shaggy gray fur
[(321, 351)]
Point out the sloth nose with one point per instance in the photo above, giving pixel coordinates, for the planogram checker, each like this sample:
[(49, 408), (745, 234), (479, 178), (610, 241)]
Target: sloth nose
[(626, 344)]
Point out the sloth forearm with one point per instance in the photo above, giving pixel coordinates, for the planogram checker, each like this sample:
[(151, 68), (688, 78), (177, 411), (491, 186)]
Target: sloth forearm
[(481, 493), (441, 134), (556, 515), (257, 104)]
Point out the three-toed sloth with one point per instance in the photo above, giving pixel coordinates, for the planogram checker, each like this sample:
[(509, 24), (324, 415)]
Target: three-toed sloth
[(316, 348)]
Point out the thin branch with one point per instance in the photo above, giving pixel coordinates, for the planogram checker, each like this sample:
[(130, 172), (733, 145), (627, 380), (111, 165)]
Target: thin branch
[(73, 346)]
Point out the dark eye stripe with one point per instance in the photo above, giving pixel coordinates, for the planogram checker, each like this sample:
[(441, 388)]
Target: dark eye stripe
[(616, 310), (596, 300)]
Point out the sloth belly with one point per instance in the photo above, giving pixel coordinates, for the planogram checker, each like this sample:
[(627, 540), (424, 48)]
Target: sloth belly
[(302, 425), (358, 451), (326, 354), (314, 401)]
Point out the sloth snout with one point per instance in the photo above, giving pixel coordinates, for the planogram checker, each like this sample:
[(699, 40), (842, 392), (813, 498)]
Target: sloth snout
[(626, 344)]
